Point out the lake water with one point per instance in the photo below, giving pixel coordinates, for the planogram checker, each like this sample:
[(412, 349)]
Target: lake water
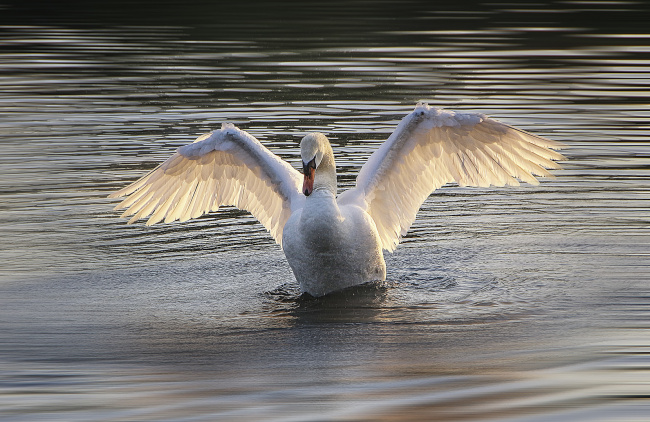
[(525, 304)]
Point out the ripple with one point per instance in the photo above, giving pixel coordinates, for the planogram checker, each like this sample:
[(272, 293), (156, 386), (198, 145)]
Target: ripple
[(525, 303)]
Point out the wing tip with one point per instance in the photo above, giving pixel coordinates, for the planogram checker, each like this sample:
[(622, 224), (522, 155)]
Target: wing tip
[(116, 194)]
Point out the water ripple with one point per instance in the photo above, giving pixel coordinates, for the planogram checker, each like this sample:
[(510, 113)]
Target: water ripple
[(528, 303)]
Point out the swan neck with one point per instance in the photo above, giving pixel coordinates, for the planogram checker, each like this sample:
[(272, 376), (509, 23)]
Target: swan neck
[(325, 177)]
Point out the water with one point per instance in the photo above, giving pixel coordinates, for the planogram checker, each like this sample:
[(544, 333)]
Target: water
[(526, 303)]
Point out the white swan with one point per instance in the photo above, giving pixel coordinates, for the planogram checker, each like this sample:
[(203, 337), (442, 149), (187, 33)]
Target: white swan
[(332, 243)]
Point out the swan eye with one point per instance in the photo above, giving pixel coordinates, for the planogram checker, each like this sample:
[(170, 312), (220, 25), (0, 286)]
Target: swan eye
[(307, 166)]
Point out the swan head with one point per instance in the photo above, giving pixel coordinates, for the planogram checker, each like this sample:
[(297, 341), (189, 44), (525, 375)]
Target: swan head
[(316, 153)]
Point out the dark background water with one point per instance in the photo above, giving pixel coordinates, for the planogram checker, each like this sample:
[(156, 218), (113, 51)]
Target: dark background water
[(527, 303)]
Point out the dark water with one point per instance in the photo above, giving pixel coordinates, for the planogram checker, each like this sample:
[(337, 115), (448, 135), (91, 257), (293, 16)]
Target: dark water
[(527, 303)]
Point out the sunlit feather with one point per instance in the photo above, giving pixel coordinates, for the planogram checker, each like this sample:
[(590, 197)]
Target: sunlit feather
[(224, 167), (465, 148)]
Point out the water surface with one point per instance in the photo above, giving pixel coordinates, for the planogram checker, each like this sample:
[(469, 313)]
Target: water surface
[(526, 303)]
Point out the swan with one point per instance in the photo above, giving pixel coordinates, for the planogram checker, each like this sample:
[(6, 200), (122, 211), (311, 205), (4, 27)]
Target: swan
[(333, 242)]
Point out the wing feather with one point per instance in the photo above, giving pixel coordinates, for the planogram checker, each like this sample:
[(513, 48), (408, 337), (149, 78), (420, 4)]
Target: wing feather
[(432, 147), (225, 167)]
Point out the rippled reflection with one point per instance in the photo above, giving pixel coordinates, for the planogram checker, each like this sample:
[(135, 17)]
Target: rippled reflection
[(528, 302)]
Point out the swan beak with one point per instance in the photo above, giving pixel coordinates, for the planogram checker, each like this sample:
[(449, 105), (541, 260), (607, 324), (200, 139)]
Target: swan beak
[(309, 170)]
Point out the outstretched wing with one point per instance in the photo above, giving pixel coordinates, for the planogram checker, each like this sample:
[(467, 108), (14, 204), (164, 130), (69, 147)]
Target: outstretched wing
[(224, 167), (432, 147)]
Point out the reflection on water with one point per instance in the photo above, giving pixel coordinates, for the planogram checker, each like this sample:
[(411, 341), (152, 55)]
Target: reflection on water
[(528, 303)]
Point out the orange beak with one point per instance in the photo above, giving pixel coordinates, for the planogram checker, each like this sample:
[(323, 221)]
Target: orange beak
[(309, 170)]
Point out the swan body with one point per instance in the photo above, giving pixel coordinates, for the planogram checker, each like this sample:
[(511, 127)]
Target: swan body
[(331, 247), (335, 242)]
